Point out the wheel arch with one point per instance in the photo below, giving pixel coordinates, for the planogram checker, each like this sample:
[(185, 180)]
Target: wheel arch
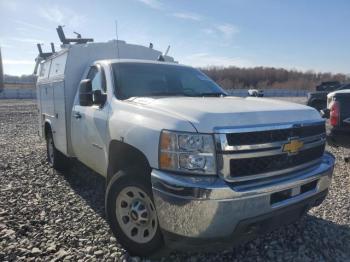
[(122, 155), (47, 128)]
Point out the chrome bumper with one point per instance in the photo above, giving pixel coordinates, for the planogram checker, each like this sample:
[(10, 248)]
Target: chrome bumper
[(209, 208)]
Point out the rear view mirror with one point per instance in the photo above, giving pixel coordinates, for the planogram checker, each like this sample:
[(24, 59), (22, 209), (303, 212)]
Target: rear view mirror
[(85, 92), (325, 113)]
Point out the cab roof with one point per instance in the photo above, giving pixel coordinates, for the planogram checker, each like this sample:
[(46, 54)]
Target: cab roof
[(139, 61)]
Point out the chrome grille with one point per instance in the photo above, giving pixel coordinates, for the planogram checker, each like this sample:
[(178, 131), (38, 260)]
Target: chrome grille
[(253, 166), (251, 153), (270, 136)]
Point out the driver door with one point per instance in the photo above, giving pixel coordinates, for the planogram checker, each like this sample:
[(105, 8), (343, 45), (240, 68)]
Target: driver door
[(90, 126)]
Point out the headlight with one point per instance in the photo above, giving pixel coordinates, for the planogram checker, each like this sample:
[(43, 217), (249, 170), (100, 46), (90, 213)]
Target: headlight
[(189, 152)]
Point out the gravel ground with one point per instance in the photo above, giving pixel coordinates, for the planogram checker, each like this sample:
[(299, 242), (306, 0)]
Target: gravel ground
[(46, 215)]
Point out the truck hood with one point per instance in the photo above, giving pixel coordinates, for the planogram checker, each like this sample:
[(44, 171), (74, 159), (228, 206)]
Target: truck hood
[(318, 94), (209, 113), (344, 91)]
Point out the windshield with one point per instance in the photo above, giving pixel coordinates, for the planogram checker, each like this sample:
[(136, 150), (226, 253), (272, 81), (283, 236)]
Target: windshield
[(346, 86), (146, 79)]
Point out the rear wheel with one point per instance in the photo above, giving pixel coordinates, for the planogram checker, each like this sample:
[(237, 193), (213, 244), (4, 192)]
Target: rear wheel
[(131, 213), (55, 158)]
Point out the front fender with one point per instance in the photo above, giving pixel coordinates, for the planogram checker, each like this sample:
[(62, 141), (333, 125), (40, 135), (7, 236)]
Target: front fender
[(140, 127)]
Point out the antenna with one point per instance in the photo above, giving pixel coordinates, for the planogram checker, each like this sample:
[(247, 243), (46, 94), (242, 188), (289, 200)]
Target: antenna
[(117, 64), (1, 74), (116, 34)]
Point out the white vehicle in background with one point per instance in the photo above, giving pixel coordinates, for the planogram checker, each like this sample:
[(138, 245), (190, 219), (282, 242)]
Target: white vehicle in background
[(184, 163), (256, 92)]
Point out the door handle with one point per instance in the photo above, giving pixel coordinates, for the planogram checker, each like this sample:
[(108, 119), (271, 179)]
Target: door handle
[(77, 115)]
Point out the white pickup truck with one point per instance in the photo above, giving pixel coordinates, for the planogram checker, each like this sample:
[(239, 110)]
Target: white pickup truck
[(185, 164)]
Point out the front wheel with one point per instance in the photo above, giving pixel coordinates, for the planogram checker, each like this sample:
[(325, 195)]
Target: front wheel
[(131, 213)]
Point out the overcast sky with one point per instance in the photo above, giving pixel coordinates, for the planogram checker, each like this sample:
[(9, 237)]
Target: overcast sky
[(292, 34)]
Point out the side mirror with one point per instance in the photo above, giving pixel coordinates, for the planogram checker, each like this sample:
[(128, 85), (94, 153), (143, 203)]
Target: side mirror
[(85, 92), (98, 97), (325, 113)]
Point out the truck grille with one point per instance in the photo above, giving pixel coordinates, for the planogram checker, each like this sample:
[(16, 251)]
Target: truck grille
[(252, 166), (251, 138), (253, 153)]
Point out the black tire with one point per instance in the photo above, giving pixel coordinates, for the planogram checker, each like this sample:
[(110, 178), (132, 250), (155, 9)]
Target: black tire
[(55, 158), (121, 180)]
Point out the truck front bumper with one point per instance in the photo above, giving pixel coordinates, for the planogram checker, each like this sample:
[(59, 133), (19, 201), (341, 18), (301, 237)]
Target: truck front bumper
[(196, 210)]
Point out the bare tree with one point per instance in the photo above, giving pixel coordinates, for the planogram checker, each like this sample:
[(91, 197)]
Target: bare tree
[(269, 77)]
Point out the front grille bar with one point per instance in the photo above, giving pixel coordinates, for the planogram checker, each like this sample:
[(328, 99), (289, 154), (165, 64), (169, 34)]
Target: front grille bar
[(263, 175), (222, 144), (226, 152), (269, 149)]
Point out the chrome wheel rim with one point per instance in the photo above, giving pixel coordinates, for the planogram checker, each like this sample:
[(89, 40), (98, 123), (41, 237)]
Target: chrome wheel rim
[(50, 149), (136, 214)]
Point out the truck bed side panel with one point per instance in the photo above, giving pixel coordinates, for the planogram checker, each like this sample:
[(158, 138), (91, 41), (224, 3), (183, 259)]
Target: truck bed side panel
[(51, 99)]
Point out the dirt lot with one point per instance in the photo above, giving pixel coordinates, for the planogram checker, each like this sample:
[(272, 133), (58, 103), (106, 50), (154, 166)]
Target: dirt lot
[(46, 215)]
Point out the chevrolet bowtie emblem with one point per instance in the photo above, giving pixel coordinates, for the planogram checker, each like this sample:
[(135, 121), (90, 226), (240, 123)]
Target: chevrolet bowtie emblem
[(293, 146)]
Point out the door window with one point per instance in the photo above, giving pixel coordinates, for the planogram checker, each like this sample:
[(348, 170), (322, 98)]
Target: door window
[(98, 80)]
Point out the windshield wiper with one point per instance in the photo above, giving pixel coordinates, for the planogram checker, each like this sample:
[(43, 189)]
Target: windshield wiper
[(164, 94), (182, 94), (211, 94)]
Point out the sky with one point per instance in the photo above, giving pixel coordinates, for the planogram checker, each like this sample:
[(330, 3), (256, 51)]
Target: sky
[(293, 34)]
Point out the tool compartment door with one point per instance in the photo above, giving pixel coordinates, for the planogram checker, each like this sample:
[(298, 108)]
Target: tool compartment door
[(57, 79), (45, 96)]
